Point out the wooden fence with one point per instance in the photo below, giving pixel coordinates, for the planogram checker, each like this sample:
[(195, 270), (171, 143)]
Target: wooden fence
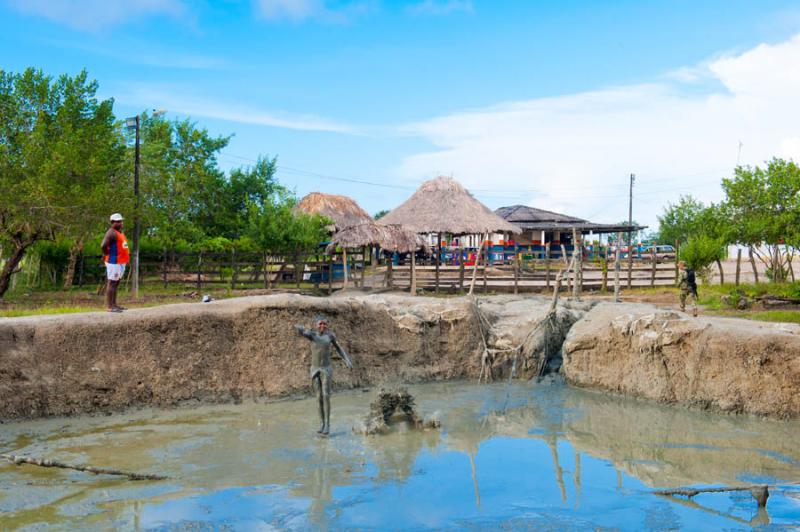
[(453, 272)]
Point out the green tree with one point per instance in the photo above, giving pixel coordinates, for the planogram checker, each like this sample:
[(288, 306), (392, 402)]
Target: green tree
[(182, 184), (59, 155), (680, 220), (380, 214), (700, 251), (763, 210)]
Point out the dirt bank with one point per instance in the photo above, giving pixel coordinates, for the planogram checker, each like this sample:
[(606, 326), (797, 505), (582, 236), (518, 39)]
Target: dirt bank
[(245, 348), (721, 363), (223, 351)]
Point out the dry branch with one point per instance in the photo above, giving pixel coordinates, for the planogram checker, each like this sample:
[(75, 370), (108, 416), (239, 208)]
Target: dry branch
[(759, 493), (89, 469)]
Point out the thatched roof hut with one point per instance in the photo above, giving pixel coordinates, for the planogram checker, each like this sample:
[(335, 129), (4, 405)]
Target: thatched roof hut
[(388, 237), (443, 205), (344, 211)]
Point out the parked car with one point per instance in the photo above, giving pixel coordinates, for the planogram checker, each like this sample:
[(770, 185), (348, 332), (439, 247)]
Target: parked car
[(663, 252)]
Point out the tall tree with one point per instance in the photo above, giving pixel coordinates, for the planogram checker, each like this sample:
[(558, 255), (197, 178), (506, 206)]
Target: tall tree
[(763, 206), (58, 152), (680, 220)]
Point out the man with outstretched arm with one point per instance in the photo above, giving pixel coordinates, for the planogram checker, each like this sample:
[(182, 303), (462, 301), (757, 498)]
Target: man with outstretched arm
[(322, 340), (116, 256)]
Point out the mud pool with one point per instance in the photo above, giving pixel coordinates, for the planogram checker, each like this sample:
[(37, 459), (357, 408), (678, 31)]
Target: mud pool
[(525, 456)]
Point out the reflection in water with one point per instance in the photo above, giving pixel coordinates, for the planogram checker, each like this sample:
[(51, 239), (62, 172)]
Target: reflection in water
[(500, 460)]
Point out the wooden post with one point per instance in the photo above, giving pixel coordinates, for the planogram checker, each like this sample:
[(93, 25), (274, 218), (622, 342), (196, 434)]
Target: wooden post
[(413, 273), (630, 260), (604, 284), (617, 259), (653, 271), (738, 264), (164, 268), (363, 265), (233, 268), (438, 258), (577, 252), (485, 267), (83, 267), (753, 264), (344, 267), (475, 266), (389, 274), (677, 258), (460, 266), (516, 274), (199, 270), (547, 264), (330, 273)]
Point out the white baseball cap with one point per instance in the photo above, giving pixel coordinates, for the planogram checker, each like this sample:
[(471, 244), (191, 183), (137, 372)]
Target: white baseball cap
[(116, 217)]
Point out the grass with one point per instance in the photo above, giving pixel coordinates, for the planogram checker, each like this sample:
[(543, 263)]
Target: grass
[(16, 313), (779, 316)]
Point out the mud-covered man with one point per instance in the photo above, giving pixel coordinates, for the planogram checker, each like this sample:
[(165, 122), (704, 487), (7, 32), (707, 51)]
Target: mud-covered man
[(322, 340), (688, 287)]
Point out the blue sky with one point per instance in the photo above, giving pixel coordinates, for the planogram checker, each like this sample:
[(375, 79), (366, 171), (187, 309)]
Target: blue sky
[(546, 103)]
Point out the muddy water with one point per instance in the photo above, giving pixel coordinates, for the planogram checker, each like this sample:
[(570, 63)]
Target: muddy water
[(525, 456)]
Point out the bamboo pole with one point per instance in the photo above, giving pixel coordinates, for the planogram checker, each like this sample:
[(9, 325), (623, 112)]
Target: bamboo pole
[(475, 266)]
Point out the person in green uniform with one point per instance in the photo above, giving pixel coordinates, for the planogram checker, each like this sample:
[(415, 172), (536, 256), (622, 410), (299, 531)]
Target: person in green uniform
[(322, 340), (688, 286)]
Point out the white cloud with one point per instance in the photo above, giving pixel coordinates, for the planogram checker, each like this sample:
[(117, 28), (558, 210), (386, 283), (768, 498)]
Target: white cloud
[(440, 7), (177, 100), (96, 15), (574, 152), (300, 10)]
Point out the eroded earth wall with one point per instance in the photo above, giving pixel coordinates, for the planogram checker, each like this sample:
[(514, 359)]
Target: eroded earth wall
[(726, 364), (224, 351)]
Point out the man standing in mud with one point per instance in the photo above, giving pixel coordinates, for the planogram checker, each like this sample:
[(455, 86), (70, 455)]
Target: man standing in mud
[(116, 256), (321, 370), (688, 287)]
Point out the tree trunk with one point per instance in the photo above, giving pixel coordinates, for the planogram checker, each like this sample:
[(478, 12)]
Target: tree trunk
[(12, 264), (753, 264), (721, 273), (69, 275)]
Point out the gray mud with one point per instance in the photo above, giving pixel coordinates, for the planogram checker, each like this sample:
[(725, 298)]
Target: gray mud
[(525, 456)]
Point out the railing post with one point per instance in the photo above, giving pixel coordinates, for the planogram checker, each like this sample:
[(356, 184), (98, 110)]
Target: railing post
[(164, 267), (330, 273), (617, 259), (547, 264), (199, 270), (233, 268), (460, 267), (653, 272)]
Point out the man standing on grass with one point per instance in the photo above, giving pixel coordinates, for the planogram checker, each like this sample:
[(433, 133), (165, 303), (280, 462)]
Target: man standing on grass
[(116, 257), (321, 369), (688, 286)]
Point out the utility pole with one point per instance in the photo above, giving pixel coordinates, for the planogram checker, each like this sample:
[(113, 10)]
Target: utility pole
[(137, 219), (135, 123), (630, 230)]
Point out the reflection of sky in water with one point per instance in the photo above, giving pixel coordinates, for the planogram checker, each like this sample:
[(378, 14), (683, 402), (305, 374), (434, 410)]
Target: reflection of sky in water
[(531, 457), (519, 483)]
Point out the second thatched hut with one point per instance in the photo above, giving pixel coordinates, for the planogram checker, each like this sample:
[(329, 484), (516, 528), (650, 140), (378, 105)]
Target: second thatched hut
[(443, 206)]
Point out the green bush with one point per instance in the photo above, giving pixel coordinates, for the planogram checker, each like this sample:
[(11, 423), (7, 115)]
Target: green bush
[(702, 251)]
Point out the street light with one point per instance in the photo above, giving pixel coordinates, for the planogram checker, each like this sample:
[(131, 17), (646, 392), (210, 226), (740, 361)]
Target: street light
[(135, 123)]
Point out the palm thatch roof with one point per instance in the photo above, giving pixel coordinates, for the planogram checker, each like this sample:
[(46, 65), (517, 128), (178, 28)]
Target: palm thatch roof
[(388, 237), (344, 211), (443, 205)]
